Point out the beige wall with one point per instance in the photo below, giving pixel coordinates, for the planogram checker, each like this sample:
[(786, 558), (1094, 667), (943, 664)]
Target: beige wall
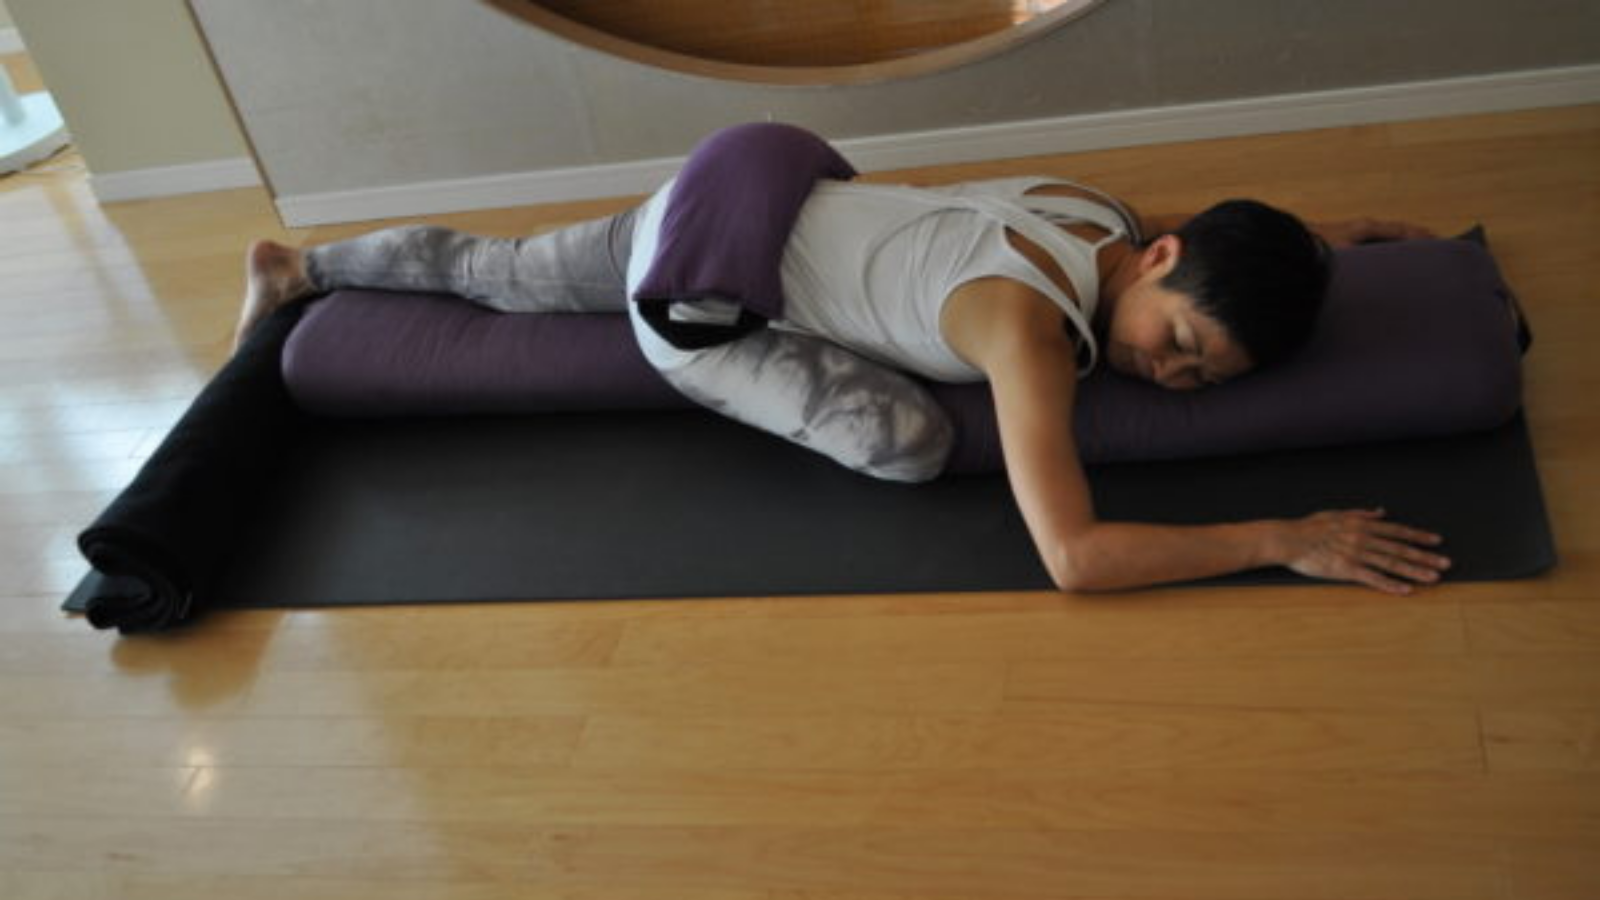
[(132, 81), (5, 16), (347, 95), (351, 94)]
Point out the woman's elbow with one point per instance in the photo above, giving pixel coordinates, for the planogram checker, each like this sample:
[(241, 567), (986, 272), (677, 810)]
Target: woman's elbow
[(1065, 580), (1074, 581), (1071, 567)]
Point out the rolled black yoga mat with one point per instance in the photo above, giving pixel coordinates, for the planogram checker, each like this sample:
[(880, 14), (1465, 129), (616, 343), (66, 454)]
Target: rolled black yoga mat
[(669, 504), (160, 549)]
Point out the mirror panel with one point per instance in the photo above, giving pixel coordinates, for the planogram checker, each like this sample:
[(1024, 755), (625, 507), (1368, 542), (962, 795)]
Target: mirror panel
[(799, 41)]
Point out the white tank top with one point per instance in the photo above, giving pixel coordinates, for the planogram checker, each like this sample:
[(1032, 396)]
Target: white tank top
[(870, 266)]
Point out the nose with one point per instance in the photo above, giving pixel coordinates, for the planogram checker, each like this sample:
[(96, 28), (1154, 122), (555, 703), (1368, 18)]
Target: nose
[(1177, 373)]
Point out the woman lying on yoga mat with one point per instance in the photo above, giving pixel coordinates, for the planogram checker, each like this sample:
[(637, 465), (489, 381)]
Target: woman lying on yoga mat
[(1025, 283)]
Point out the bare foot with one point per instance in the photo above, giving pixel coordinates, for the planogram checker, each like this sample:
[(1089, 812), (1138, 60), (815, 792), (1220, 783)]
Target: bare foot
[(274, 275)]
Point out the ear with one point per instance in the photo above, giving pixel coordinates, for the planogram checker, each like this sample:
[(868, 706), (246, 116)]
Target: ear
[(1160, 256)]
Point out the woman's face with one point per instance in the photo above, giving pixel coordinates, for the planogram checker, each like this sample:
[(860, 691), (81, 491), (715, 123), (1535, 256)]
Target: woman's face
[(1160, 335)]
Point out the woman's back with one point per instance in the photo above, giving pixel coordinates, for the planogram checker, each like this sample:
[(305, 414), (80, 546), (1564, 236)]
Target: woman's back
[(870, 266)]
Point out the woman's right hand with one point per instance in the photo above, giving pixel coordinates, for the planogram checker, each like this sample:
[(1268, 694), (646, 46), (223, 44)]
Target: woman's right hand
[(1360, 545), (1350, 232)]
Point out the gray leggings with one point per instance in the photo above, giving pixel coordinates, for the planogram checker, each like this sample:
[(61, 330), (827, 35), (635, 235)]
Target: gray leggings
[(578, 269), (866, 416)]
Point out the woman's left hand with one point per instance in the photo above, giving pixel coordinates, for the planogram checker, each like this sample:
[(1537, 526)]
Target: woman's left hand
[(1349, 232), (1360, 545)]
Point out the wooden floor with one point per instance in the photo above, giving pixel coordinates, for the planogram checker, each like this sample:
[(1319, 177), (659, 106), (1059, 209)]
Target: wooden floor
[(1258, 744)]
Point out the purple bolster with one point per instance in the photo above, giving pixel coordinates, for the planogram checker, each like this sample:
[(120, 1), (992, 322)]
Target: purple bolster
[(372, 354), (730, 212), (1416, 340)]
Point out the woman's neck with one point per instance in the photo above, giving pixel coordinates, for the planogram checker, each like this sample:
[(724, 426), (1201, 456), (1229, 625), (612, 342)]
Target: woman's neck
[(1117, 264)]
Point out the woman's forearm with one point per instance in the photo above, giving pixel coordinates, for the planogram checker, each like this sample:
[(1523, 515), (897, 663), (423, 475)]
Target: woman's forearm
[(1359, 545), (1114, 555)]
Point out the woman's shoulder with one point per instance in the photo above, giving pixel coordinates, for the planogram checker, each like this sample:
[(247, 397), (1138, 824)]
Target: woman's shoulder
[(982, 318)]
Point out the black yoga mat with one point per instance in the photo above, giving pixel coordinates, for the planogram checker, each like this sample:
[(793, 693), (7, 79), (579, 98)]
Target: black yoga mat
[(583, 506), (162, 547)]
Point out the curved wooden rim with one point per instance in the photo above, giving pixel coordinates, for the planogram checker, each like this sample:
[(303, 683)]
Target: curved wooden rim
[(864, 73)]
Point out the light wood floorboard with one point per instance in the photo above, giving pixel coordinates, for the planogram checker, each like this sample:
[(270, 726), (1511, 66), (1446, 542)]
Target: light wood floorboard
[(1256, 744)]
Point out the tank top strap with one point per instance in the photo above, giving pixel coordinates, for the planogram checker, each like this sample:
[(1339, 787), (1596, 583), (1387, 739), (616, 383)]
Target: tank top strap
[(1110, 213)]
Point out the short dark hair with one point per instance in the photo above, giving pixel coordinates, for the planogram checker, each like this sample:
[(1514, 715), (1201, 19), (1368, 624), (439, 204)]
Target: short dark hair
[(1258, 271)]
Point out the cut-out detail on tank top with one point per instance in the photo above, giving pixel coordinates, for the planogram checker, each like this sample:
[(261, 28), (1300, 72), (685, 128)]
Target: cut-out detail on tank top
[(1037, 217)]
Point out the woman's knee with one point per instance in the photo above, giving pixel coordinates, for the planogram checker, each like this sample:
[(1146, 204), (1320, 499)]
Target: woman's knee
[(865, 416), (907, 439)]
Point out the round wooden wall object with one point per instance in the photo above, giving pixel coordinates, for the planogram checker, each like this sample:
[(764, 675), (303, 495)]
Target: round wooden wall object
[(799, 41)]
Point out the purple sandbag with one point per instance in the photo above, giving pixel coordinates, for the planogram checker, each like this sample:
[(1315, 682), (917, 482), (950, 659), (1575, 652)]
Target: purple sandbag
[(1417, 339), (730, 213)]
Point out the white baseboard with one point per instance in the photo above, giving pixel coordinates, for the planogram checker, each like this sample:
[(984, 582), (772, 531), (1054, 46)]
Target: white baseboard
[(169, 181), (1231, 118), (1067, 134), (11, 42)]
